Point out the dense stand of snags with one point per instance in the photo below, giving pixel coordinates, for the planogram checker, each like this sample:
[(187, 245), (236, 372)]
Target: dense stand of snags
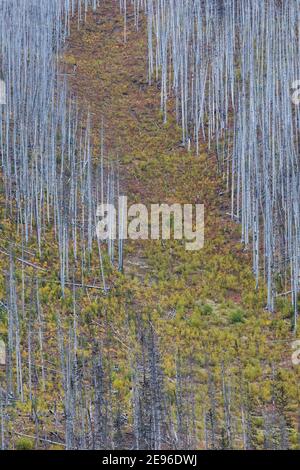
[(230, 65), (49, 176)]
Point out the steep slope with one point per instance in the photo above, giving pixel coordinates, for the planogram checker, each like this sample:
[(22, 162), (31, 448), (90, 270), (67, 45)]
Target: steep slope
[(180, 351), (206, 299)]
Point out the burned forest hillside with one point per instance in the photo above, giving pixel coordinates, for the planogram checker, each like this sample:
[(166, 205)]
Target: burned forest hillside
[(135, 343)]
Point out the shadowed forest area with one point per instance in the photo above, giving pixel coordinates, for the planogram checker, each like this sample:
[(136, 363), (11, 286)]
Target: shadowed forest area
[(145, 345)]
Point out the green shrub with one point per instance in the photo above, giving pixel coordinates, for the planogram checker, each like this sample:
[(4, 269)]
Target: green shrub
[(237, 317), (206, 309), (24, 443)]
